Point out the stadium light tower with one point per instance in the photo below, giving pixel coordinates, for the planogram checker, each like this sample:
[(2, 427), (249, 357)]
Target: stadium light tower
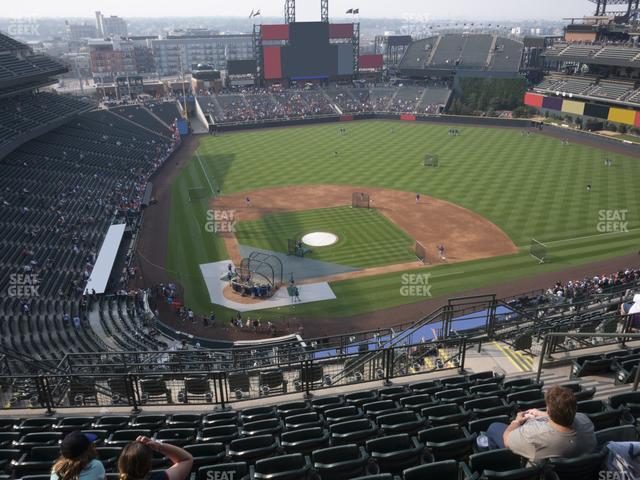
[(324, 11), (629, 14), (290, 11)]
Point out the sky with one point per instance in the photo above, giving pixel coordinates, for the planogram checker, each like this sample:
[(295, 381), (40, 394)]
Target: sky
[(307, 9)]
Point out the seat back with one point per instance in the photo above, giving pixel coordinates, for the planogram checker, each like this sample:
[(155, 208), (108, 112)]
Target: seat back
[(348, 411), (389, 443), (197, 386), (444, 470), (482, 403), (302, 434), (44, 454), (153, 387), (622, 433), (624, 399), (221, 433), (184, 420), (499, 460), (281, 464), (235, 470), (579, 468), (445, 433), (239, 381), (361, 424), (251, 443), (272, 378), (220, 418), (312, 374), (303, 420), (482, 424), (342, 453), (327, 403), (360, 398)]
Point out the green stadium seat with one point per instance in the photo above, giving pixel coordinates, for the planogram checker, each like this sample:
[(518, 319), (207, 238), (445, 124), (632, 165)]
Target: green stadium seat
[(340, 463), (394, 453), (444, 470)]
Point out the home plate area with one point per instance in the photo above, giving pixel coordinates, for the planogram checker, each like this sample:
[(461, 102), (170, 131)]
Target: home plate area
[(215, 277)]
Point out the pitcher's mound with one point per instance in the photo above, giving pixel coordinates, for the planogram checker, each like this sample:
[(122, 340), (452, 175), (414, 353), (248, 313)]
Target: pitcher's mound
[(319, 239)]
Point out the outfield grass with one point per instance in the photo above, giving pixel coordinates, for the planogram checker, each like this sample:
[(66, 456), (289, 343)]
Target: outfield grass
[(365, 237), (531, 187)]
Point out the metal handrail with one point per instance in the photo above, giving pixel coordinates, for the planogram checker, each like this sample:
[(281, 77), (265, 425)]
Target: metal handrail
[(623, 336)]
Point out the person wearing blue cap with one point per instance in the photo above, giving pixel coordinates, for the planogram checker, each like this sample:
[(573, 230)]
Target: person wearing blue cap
[(78, 459)]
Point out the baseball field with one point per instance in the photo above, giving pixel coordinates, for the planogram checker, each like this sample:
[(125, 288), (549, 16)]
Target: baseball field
[(493, 192)]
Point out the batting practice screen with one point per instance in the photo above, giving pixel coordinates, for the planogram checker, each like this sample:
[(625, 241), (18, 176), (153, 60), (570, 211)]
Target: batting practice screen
[(360, 200), (420, 252), (538, 251)]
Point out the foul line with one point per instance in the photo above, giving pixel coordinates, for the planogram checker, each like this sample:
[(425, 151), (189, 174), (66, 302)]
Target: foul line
[(585, 238), (213, 192)]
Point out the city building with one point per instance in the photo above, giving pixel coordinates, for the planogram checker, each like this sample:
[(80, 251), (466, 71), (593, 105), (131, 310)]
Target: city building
[(112, 26), (182, 51), (111, 58), (79, 32), (143, 53)]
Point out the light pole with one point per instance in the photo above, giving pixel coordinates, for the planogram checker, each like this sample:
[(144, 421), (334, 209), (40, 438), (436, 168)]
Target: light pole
[(184, 94)]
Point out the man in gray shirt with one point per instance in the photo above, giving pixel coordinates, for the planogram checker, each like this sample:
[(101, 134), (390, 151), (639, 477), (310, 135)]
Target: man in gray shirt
[(558, 432)]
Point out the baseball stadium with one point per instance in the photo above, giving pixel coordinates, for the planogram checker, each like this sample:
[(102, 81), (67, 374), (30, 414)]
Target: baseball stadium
[(325, 263)]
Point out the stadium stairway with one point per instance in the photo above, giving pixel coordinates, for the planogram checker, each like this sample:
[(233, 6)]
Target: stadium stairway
[(391, 100), (434, 50), (93, 317)]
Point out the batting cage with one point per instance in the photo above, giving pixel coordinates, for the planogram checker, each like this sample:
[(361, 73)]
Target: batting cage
[(538, 250), (261, 268), (431, 160), (360, 200), (198, 193), (420, 252)]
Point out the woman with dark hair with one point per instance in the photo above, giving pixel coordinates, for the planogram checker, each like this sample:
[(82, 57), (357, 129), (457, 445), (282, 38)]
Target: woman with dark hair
[(135, 461), (78, 459)]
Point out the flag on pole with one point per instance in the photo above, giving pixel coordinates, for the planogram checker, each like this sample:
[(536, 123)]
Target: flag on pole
[(350, 10)]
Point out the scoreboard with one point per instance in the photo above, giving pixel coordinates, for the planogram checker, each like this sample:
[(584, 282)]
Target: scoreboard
[(307, 50)]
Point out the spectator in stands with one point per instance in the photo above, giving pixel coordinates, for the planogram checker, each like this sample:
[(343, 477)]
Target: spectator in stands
[(537, 435), (78, 460), (633, 310), (135, 461)]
